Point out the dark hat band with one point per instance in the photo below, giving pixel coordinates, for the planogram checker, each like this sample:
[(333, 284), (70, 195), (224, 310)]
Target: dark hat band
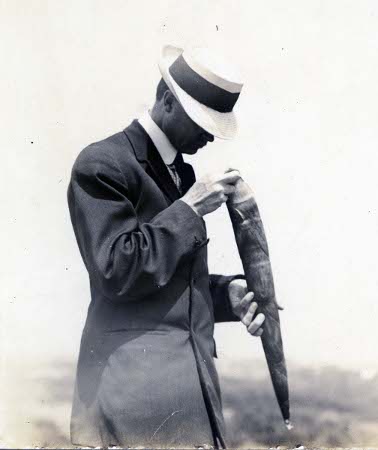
[(200, 89)]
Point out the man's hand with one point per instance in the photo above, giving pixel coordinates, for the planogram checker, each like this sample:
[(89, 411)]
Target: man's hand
[(245, 308), (209, 192)]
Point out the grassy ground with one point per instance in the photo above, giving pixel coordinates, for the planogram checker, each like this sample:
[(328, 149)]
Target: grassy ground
[(330, 408)]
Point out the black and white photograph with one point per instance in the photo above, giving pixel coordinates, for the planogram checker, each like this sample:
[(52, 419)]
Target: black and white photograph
[(190, 224)]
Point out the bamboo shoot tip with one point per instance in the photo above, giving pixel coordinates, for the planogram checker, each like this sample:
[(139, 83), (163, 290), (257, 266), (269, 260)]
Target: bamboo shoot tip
[(289, 425)]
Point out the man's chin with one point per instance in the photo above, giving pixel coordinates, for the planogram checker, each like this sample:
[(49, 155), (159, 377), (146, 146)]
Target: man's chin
[(191, 150), (194, 149)]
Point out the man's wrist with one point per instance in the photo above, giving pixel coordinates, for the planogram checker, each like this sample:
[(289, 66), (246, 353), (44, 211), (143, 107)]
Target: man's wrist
[(191, 206)]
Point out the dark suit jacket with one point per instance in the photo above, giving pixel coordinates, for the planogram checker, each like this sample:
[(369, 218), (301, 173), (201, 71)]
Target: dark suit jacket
[(146, 374)]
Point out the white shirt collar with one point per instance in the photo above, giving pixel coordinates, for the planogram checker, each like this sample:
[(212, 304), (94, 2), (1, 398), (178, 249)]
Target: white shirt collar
[(165, 148)]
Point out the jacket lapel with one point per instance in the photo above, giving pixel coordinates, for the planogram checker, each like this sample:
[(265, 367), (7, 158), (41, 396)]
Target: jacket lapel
[(188, 178), (150, 159)]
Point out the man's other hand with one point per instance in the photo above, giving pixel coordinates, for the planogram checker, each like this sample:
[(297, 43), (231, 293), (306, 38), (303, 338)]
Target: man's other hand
[(210, 192), (244, 307)]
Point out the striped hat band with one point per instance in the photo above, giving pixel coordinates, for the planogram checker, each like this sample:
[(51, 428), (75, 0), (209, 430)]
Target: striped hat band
[(204, 86)]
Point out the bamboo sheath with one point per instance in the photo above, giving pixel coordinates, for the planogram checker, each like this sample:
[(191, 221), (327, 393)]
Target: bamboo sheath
[(253, 250)]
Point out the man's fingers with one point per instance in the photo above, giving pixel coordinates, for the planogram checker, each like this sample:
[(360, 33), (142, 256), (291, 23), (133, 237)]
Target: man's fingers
[(229, 189), (245, 302), (258, 333), (256, 323), (252, 324), (230, 177), (248, 316)]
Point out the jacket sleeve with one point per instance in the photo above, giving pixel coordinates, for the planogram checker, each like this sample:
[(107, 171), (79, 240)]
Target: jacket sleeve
[(221, 300), (125, 259)]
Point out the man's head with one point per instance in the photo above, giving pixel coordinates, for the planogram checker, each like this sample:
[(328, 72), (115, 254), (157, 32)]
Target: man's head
[(183, 133), (200, 91)]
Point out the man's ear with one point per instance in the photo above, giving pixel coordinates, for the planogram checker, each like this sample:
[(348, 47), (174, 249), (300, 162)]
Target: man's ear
[(168, 100)]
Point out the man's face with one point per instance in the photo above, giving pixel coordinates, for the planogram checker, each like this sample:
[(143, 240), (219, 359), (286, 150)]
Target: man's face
[(184, 134)]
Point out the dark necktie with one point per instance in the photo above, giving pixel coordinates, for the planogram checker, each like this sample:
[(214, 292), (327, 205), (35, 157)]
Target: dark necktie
[(177, 171)]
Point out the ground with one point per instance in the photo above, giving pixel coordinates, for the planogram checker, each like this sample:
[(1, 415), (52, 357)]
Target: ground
[(330, 407)]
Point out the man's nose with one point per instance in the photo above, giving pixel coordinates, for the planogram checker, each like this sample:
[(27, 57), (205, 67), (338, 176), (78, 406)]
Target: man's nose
[(209, 137)]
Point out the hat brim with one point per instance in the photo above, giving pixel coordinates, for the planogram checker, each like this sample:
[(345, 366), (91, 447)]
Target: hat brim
[(221, 125)]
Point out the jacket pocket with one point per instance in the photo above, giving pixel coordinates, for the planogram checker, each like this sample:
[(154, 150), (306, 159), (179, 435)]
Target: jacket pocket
[(138, 331)]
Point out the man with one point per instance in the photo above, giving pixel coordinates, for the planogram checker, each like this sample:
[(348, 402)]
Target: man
[(146, 375)]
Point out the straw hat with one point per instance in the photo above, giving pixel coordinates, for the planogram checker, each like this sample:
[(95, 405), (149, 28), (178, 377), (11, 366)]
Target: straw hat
[(206, 87)]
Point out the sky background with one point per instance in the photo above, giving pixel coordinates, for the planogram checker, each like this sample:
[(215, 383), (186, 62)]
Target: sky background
[(74, 72)]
